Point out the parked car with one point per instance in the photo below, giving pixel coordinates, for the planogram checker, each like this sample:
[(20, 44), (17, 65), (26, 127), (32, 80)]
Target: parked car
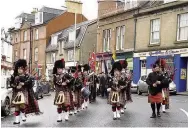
[(6, 96), (143, 86), (133, 87), (37, 88), (45, 87)]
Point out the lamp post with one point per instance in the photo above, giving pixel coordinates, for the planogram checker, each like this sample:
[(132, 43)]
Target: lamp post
[(74, 34)]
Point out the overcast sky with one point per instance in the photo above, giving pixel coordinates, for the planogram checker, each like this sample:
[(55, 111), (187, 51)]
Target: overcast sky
[(9, 9)]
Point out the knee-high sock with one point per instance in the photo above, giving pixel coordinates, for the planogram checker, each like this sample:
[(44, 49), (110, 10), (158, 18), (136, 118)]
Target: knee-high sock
[(17, 113), (113, 108), (118, 107), (158, 107), (153, 107), (59, 110)]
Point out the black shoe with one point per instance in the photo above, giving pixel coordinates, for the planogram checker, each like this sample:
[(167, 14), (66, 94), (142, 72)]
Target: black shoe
[(158, 114), (59, 120), (153, 115), (114, 118), (164, 112), (24, 120), (16, 123)]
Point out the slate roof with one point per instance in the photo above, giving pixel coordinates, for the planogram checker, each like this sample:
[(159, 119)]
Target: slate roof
[(30, 17), (64, 36), (51, 10)]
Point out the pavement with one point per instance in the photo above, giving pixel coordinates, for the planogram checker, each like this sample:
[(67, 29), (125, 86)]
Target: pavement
[(99, 114), (183, 93)]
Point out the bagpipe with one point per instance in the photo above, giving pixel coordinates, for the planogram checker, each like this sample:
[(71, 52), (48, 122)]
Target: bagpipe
[(19, 98)]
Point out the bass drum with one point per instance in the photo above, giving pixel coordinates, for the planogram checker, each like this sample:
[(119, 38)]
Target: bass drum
[(85, 92)]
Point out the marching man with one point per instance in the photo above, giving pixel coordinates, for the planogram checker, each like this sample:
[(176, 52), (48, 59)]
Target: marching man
[(116, 97), (23, 98), (62, 87)]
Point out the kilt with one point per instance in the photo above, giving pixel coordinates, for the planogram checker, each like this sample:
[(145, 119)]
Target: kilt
[(155, 99), (78, 98), (165, 94), (67, 98), (122, 100), (15, 92), (32, 106)]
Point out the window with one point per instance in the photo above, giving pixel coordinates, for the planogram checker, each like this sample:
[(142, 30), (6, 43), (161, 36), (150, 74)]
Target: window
[(120, 37), (72, 36), (168, 1), (106, 40), (36, 34), (155, 31), (53, 58), (36, 54), (182, 27), (54, 40), (16, 37), (143, 63), (24, 54), (25, 35), (40, 15), (70, 55)]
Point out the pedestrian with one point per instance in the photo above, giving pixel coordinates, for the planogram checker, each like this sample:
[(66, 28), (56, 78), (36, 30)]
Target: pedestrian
[(155, 82), (62, 87), (23, 98), (93, 86), (116, 97), (103, 84)]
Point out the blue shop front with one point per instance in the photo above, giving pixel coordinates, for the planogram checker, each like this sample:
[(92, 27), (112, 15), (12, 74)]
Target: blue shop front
[(177, 63)]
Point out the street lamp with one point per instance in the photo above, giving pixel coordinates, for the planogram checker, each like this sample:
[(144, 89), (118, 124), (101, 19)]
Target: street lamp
[(75, 31)]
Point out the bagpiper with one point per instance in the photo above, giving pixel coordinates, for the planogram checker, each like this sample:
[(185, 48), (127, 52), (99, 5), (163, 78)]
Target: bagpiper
[(77, 89), (23, 98), (116, 97), (165, 90), (63, 88), (156, 82), (127, 77)]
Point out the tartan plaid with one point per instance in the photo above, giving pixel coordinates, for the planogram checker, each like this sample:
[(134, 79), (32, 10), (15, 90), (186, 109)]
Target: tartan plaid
[(67, 97), (78, 98), (155, 99)]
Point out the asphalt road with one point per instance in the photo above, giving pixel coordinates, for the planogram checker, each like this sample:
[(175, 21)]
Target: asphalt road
[(99, 114)]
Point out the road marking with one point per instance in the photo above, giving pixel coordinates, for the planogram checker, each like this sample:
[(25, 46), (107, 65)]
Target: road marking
[(186, 113)]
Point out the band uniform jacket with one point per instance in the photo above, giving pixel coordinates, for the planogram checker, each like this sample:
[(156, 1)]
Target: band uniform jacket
[(151, 79)]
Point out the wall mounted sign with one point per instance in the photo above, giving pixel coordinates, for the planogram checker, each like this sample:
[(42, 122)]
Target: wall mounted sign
[(183, 74)]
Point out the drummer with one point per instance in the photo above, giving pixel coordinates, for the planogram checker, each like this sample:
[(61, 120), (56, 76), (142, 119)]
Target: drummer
[(85, 97)]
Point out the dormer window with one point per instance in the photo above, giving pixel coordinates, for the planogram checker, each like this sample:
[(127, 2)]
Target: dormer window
[(39, 18), (130, 4), (18, 22), (168, 1), (72, 34)]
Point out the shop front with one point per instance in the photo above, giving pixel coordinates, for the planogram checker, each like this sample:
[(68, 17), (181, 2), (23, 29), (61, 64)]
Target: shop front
[(177, 64), (100, 57)]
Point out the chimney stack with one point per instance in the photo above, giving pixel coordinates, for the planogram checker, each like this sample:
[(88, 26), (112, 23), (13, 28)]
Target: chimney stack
[(74, 5)]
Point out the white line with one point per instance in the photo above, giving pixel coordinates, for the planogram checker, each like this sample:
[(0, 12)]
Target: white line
[(186, 113)]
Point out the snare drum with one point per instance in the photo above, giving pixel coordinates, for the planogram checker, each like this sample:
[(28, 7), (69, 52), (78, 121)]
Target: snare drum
[(85, 92)]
